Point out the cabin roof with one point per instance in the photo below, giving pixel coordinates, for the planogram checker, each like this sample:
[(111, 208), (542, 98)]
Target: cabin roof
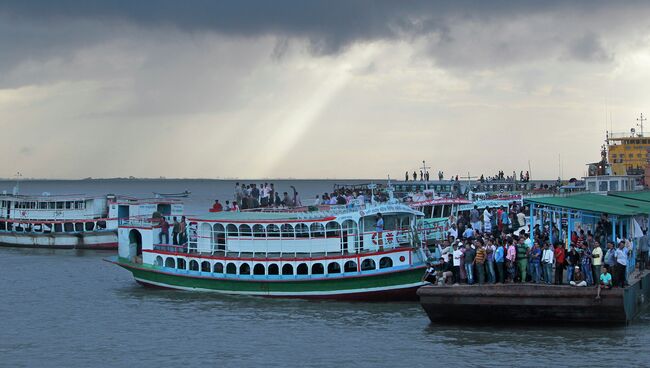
[(610, 204)]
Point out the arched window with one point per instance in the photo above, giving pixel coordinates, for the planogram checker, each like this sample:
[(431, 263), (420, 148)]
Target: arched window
[(258, 269), (287, 269), (302, 231), (273, 231), (194, 265), (317, 230), (317, 269), (78, 227), (218, 267), (368, 265), (159, 261), (205, 266), (170, 262), (231, 269), (180, 264), (231, 230), (244, 269), (89, 226), (333, 267), (245, 231), (273, 269), (258, 231), (385, 262), (350, 266), (333, 229), (287, 231), (302, 269), (68, 227)]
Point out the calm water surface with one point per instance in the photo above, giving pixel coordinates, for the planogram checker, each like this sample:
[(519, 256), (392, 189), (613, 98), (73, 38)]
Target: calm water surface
[(71, 309)]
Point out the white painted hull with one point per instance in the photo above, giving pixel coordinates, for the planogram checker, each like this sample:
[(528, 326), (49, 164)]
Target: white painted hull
[(86, 240)]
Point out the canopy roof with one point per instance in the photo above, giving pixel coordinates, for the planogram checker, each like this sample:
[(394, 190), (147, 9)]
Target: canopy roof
[(611, 204)]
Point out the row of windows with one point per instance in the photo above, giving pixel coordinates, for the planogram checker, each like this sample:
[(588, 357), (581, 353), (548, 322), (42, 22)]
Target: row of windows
[(272, 269), (68, 205), (314, 230), (50, 227)]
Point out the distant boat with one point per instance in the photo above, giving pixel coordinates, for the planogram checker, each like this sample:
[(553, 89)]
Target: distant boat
[(184, 194)]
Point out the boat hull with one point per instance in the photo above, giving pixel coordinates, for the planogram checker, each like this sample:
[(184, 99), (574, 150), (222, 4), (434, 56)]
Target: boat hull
[(396, 285), (104, 240)]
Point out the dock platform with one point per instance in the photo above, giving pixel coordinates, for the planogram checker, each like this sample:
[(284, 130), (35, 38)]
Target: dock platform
[(536, 303)]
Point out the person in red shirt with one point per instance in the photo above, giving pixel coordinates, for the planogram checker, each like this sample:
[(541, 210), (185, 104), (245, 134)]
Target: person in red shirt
[(216, 207), (559, 254)]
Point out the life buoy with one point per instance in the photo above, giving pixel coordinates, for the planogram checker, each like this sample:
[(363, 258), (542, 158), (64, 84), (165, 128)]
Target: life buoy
[(389, 238), (374, 238)]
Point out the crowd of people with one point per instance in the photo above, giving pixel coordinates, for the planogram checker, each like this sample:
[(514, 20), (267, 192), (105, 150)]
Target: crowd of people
[(252, 196), (498, 248), (499, 176)]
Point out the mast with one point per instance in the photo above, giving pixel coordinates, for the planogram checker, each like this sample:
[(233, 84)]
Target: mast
[(640, 125)]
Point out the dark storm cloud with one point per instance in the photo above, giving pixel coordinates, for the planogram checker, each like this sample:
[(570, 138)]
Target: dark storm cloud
[(329, 25)]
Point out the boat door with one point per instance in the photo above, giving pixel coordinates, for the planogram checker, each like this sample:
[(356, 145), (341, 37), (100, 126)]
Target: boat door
[(349, 236)]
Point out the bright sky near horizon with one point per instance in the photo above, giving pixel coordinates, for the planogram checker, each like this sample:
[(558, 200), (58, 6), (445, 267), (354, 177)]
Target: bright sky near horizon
[(299, 89)]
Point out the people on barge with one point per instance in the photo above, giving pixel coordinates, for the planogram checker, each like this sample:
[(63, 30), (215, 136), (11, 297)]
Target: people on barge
[(514, 255)]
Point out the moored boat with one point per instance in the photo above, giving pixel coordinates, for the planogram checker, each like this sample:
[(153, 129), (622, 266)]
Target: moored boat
[(71, 221), (335, 253)]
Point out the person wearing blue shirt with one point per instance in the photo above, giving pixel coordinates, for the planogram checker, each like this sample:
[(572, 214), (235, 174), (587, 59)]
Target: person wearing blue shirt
[(499, 259), (469, 232)]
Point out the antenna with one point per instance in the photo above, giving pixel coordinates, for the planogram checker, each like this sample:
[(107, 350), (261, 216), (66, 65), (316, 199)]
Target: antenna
[(640, 125), (17, 187)]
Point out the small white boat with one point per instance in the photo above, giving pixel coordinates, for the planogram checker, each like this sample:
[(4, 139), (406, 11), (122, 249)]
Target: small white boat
[(184, 194)]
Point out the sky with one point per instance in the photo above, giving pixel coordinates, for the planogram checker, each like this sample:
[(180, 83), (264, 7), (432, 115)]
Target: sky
[(311, 89)]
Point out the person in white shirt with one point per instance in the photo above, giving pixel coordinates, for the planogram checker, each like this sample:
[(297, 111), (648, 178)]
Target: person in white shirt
[(547, 264), (487, 220), (457, 254), (521, 218), (452, 231)]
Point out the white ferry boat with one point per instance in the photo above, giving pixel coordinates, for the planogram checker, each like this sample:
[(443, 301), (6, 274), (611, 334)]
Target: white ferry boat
[(72, 221), (335, 253)]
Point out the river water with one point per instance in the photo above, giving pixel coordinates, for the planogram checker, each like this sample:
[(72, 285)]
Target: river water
[(71, 309)]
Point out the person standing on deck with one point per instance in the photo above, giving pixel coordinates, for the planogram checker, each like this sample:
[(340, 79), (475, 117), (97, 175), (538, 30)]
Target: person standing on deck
[(470, 254), (406, 176), (499, 258), (379, 229), (474, 218), (457, 254), (559, 263), (487, 220), (621, 265), (511, 258), (182, 233), (479, 261), (610, 259), (597, 260), (164, 231), (490, 249), (535, 260), (644, 245), (585, 264), (522, 259), (176, 228), (547, 263), (415, 176)]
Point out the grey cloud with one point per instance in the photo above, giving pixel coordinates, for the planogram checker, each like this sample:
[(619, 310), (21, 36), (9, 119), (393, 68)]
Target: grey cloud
[(458, 34)]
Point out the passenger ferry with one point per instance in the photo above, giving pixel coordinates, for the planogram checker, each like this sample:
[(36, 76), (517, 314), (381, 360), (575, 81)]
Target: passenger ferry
[(72, 221), (330, 253)]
